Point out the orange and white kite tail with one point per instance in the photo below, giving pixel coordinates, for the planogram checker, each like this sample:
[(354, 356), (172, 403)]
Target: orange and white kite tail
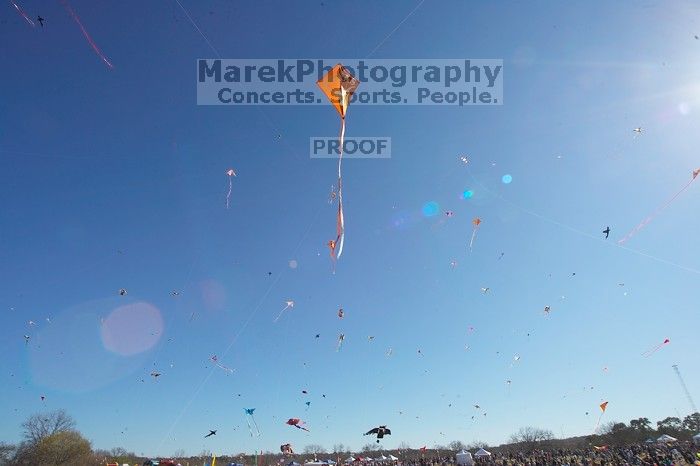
[(341, 217)]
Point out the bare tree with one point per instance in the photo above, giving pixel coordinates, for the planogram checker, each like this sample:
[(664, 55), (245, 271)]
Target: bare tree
[(40, 426), (368, 447), (6, 452), (456, 445), (404, 446), (476, 444), (339, 448), (314, 449), (531, 437)]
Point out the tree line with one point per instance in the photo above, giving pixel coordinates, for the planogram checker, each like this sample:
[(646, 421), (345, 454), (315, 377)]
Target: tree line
[(51, 439)]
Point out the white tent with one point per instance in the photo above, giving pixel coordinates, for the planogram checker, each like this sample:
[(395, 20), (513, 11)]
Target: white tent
[(350, 460), (481, 453), (464, 458), (665, 438), (696, 439), (393, 458)]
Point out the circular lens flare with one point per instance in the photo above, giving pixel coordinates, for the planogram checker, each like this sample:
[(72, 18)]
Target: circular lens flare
[(132, 329), (430, 208), (506, 179)]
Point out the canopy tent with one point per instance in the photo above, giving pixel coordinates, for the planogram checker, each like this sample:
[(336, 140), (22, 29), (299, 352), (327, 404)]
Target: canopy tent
[(665, 438), (393, 458), (481, 453), (464, 458), (696, 439), (329, 461), (350, 459)]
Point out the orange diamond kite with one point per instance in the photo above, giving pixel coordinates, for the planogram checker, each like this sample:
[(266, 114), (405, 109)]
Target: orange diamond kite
[(339, 85)]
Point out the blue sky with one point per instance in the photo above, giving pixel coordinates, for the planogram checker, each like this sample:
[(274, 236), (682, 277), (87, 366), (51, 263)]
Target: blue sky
[(116, 179)]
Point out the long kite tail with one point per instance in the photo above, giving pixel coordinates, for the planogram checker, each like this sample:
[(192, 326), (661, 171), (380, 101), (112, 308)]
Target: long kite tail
[(250, 429), (656, 212), (22, 12), (280, 314), (230, 188), (340, 222), (471, 243), (257, 429), (86, 34)]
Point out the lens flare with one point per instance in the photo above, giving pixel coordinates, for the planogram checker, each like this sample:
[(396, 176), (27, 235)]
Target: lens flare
[(506, 179), (132, 329), (430, 209), (467, 194)]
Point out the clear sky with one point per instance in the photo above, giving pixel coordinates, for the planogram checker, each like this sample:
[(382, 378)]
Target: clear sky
[(116, 179)]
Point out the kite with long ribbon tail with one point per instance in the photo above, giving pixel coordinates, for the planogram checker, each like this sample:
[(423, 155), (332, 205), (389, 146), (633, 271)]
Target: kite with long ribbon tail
[(659, 209), (230, 173), (341, 340), (215, 360), (289, 304), (249, 417), (298, 423), (656, 348), (86, 34), (603, 406), (338, 85), (23, 13), (475, 223)]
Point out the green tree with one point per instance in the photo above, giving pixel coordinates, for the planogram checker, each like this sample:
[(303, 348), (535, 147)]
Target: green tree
[(692, 423), (670, 424), (66, 448), (642, 424)]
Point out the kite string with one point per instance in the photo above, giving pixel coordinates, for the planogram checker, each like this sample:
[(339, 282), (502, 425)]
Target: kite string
[(579, 232), (254, 311), (85, 33), (654, 214), (395, 28)]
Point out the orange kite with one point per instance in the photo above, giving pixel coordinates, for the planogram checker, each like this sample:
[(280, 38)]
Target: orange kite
[(338, 85)]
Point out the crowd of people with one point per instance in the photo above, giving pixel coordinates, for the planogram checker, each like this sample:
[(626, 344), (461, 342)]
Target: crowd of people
[(678, 454)]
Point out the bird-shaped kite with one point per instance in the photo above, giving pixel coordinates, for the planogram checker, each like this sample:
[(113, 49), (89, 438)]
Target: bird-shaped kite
[(251, 418), (338, 85), (211, 432), (298, 423), (380, 432)]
